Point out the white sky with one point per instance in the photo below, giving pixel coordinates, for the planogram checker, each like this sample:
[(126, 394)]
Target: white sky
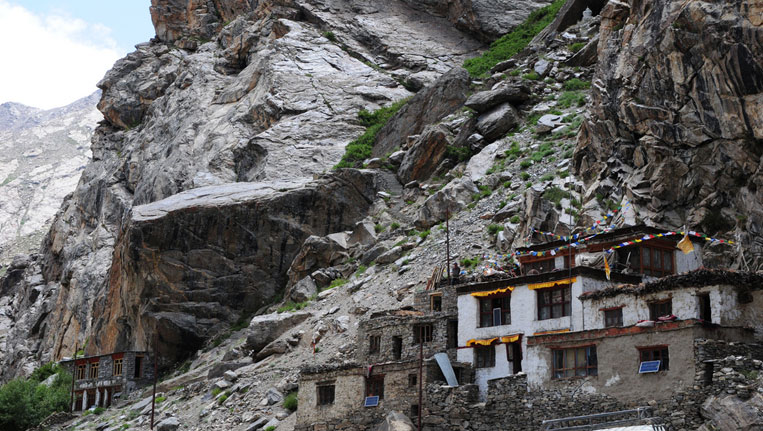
[(48, 61)]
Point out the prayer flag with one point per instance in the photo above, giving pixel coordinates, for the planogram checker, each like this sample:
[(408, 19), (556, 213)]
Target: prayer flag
[(685, 245), (607, 271)]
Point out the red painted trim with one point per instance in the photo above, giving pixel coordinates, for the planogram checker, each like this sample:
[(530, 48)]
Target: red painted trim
[(612, 308), (94, 360), (80, 362), (117, 356), (537, 340), (654, 347), (573, 346)]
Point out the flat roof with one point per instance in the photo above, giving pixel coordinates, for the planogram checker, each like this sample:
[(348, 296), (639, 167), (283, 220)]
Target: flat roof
[(79, 358), (698, 278), (586, 271), (614, 235)]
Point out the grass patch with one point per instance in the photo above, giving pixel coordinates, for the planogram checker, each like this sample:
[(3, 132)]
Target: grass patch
[(570, 98), (469, 263), (270, 428), (290, 402), (484, 191), (394, 225), (493, 229), (524, 164), (329, 35), (378, 228), (547, 177), (160, 400), (524, 176), (336, 283), (424, 234), (498, 166), (514, 219), (361, 269), (577, 46), (576, 84), (533, 76), (458, 154), (515, 41), (555, 195), (360, 149), (293, 306)]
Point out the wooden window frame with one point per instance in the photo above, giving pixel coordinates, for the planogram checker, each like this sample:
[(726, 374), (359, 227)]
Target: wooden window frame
[(428, 334), (654, 314), (375, 386), (584, 369), (325, 394), (647, 268), (432, 302), (618, 321), (117, 367), (374, 344), (81, 371), (654, 353), (566, 305), (491, 300), (93, 370), (480, 361)]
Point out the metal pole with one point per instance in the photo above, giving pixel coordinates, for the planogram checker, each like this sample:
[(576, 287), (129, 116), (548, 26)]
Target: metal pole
[(74, 375), (421, 371), (153, 394), (447, 242)]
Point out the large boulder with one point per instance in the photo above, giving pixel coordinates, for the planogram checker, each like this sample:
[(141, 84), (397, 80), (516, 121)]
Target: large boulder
[(505, 91), (497, 122), (428, 106), (317, 252), (452, 198), (425, 154), (266, 328), (303, 290), (729, 412), (395, 421)]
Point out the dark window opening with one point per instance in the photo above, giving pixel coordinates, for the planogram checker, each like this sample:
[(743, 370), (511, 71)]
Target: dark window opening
[(412, 380), (81, 370), (539, 267), (553, 302), (484, 357), (425, 332), (375, 386), (397, 347), (659, 309), (94, 370), (414, 411), (138, 367), (452, 334), (374, 344), (495, 311), (579, 362), (514, 355), (705, 311), (613, 318), (436, 302), (656, 353), (325, 395), (708, 374)]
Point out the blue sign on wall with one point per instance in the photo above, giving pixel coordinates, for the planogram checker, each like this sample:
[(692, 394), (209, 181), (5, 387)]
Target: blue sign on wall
[(649, 367), (373, 401)]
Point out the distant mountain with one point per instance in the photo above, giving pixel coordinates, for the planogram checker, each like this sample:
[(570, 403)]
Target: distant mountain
[(42, 154)]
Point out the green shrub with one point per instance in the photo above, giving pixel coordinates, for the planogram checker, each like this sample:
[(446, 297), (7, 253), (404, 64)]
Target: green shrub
[(394, 225), (222, 399), (514, 151), (378, 228), (470, 263), (577, 46), (547, 177), (361, 269), (531, 76), (514, 72), (514, 219), (498, 166), (337, 282), (576, 84), (484, 191), (493, 229), (524, 176), (290, 402), (563, 174), (529, 184), (515, 41), (458, 154), (24, 403), (507, 184), (98, 410), (160, 400), (270, 428), (294, 306), (570, 98), (360, 149), (555, 194), (424, 234), (524, 164), (329, 35), (216, 392)]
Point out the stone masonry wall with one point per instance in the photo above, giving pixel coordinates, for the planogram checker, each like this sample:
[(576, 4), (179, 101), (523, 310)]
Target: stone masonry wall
[(389, 327)]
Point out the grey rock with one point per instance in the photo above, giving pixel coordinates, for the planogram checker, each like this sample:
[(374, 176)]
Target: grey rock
[(303, 290), (395, 421), (453, 197), (258, 424), (372, 254), (390, 256), (230, 376), (425, 154), (542, 67), (363, 234), (504, 91), (397, 157), (273, 396), (217, 370), (497, 122), (374, 163), (169, 424), (266, 328), (503, 66), (548, 122)]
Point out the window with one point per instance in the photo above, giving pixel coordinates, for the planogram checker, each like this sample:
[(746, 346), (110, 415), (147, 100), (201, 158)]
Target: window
[(374, 344), (613, 317), (414, 411), (412, 380), (484, 356), (656, 353), (553, 302), (705, 312), (540, 266), (452, 341), (660, 308), (117, 367), (93, 370), (397, 347), (138, 366), (656, 262), (325, 395), (435, 302), (422, 331), (495, 311), (580, 361), (375, 386), (81, 369)]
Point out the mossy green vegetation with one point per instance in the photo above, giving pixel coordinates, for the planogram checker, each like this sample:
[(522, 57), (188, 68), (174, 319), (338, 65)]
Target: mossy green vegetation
[(512, 43), (360, 149), (25, 402)]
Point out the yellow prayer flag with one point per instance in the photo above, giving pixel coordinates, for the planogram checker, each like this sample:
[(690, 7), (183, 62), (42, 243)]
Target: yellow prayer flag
[(607, 271), (685, 245)]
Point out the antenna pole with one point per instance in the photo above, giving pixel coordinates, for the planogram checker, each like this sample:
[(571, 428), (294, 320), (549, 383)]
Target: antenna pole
[(156, 360), (74, 375)]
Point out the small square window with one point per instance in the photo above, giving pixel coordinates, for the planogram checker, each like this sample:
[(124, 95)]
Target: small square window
[(484, 356), (375, 386), (435, 302), (613, 318), (659, 309), (117, 367), (414, 411), (573, 362), (656, 353), (325, 395), (412, 380), (93, 370), (425, 331), (374, 344)]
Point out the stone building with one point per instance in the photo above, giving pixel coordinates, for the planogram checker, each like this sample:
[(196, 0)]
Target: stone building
[(100, 379)]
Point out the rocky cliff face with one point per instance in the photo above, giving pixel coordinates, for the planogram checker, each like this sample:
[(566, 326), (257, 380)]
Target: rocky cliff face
[(675, 123), (42, 153), (262, 92)]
